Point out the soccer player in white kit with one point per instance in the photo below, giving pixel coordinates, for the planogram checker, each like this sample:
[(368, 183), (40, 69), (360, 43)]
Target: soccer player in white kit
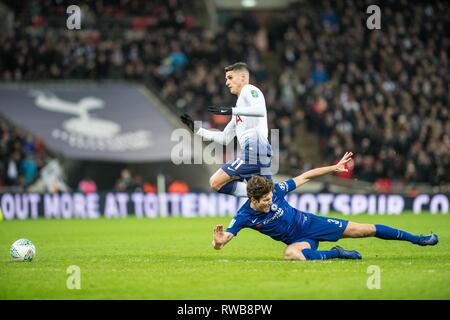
[(249, 124)]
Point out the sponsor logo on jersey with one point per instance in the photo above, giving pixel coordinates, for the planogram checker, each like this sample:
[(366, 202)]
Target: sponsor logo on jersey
[(279, 212)]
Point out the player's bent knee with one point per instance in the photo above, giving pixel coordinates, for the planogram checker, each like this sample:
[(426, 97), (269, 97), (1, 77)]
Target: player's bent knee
[(219, 179), (214, 184)]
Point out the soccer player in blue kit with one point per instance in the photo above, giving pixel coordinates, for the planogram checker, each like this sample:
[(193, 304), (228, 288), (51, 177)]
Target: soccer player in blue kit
[(269, 213)]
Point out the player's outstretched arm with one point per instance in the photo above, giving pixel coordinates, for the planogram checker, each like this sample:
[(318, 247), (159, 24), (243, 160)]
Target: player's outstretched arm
[(220, 238), (311, 174), (222, 137)]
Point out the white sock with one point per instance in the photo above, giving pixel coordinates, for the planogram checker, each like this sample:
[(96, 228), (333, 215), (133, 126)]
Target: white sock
[(241, 189)]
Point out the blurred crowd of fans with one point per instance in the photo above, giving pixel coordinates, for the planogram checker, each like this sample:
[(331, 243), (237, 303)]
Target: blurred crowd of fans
[(383, 94), (51, 52), (22, 156), (133, 182)]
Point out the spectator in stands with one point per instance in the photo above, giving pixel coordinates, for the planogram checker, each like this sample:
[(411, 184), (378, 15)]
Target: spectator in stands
[(178, 186), (137, 184), (29, 169), (87, 185), (29, 147), (125, 181), (149, 187), (12, 170)]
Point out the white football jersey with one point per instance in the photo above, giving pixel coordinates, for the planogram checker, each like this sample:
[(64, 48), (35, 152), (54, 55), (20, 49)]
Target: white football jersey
[(250, 115), (248, 122)]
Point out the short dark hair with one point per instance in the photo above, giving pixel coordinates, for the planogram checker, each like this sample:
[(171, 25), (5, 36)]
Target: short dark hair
[(258, 186), (237, 66)]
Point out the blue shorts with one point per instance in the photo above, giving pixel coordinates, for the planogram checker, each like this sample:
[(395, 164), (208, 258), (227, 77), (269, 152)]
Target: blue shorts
[(317, 228), (238, 168), (250, 164)]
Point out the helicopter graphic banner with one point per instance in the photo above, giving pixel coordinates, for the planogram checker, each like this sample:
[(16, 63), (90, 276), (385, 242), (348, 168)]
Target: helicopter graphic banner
[(112, 122)]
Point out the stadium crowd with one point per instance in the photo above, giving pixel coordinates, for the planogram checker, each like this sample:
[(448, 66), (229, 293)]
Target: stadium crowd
[(384, 94)]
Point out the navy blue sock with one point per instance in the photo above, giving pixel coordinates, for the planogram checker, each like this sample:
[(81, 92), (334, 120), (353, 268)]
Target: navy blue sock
[(311, 254), (227, 188), (388, 233), (236, 188)]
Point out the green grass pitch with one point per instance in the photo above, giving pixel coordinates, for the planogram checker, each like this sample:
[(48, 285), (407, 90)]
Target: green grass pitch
[(172, 258)]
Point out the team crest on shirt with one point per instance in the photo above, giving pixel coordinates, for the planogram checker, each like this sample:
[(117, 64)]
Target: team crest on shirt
[(274, 207), (283, 186)]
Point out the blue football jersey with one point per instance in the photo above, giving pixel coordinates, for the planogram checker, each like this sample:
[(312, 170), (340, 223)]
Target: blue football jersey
[(281, 223)]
